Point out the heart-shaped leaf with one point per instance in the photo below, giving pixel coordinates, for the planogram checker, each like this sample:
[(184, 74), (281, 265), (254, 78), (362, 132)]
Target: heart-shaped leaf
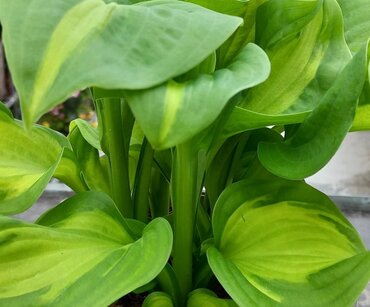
[(304, 41), (279, 241), (79, 253), (28, 160), (305, 44), (92, 43), (320, 135), (173, 112)]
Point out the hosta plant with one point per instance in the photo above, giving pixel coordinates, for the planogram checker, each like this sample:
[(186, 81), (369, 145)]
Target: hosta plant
[(210, 116)]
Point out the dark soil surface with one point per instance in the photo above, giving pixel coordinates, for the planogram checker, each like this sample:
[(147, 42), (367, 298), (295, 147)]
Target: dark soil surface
[(131, 300)]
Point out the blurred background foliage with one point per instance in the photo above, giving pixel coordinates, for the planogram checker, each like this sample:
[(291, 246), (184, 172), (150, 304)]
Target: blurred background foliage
[(79, 105)]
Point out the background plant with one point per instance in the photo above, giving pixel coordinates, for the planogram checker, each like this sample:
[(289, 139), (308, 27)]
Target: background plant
[(182, 181)]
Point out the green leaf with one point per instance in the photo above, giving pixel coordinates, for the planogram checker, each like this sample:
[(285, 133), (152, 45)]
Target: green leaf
[(286, 19), (356, 22), (79, 253), (361, 120), (169, 283), (304, 41), (320, 135), (245, 9), (206, 67), (84, 140), (27, 163), (357, 32), (105, 45), (242, 120), (244, 34), (224, 7), (89, 133), (174, 112), (220, 172), (5, 111), (206, 298), (158, 299), (279, 242), (69, 171)]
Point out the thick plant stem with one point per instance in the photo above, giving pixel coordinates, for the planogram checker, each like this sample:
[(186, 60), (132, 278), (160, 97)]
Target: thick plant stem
[(184, 200), (113, 141), (142, 182)]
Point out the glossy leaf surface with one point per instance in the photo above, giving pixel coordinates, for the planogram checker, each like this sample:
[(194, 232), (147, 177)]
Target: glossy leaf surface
[(304, 41), (27, 163), (279, 241), (80, 252), (146, 45), (320, 135), (305, 44), (172, 113)]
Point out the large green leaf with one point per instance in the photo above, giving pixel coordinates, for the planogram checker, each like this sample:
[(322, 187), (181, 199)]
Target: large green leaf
[(28, 160), (278, 243), (243, 35), (320, 135), (356, 22), (73, 44), (243, 120), (304, 41), (173, 112), (80, 253)]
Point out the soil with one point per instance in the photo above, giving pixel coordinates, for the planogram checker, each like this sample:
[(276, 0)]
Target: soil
[(131, 300)]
